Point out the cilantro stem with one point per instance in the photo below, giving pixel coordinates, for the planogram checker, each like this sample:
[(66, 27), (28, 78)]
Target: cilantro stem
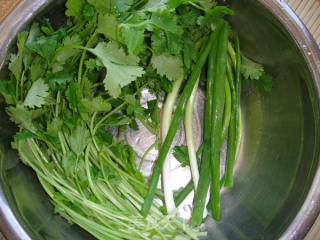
[(82, 60), (197, 6), (58, 103), (146, 153), (98, 125)]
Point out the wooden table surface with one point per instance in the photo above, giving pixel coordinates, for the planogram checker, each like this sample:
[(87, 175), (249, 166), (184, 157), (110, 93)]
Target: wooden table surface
[(307, 10)]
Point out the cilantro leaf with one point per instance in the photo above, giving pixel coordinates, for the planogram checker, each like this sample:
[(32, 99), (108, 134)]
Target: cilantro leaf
[(101, 6), (264, 83), (88, 11), (62, 56), (189, 16), (97, 104), (34, 33), (7, 89), (23, 117), (54, 127), (15, 65), (168, 65), (121, 69), (182, 155), (46, 46), (215, 14), (174, 43), (72, 96), (37, 94), (79, 139), (176, 3), (23, 135), (167, 21), (250, 69), (69, 164), (91, 64), (207, 4), (159, 42), (107, 25), (37, 68), (74, 8), (62, 77), (155, 5), (134, 39), (121, 5), (190, 53)]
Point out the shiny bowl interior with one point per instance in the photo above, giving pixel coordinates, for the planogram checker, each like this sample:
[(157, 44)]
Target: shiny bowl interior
[(277, 171)]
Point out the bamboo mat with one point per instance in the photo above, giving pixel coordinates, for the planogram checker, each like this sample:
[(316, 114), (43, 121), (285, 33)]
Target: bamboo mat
[(307, 10)]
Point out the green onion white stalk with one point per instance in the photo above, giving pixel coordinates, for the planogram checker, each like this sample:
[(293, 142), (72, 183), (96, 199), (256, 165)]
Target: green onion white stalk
[(188, 125), (165, 124)]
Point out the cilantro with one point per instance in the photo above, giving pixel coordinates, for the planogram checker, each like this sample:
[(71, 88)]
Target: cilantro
[(72, 95), (33, 34), (137, 110), (121, 69), (23, 117), (7, 89), (175, 43), (64, 55), (88, 11), (97, 104), (181, 154), (54, 127), (121, 5), (90, 64), (74, 8), (101, 6), (69, 164), (15, 65), (62, 77), (207, 4), (176, 3), (23, 135), (250, 69), (37, 94), (134, 39), (188, 15), (159, 42), (168, 65), (155, 5), (79, 139), (264, 83), (37, 68), (46, 46), (107, 25), (166, 21), (215, 14), (190, 54)]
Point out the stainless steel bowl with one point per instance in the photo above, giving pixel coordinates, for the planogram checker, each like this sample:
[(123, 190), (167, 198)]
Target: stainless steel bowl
[(277, 176)]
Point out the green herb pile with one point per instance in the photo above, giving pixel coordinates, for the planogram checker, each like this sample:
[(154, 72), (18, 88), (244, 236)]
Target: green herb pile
[(68, 86)]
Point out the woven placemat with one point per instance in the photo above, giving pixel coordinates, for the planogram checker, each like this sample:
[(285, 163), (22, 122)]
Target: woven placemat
[(6, 7), (307, 10)]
